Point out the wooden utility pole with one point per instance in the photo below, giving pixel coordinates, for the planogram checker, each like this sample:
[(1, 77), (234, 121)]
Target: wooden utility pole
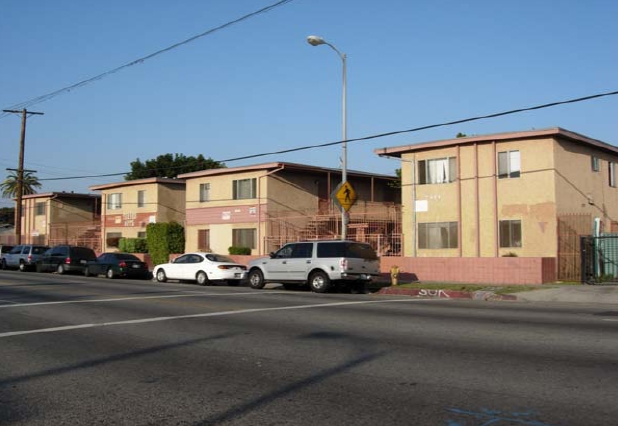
[(20, 169)]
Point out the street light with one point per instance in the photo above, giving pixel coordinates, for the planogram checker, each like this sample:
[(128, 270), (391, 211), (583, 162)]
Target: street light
[(316, 41)]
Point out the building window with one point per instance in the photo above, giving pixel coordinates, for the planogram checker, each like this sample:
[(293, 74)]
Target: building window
[(203, 239), (244, 237), (594, 163), (114, 201), (438, 170), (112, 239), (509, 164), (204, 192), (612, 174), (510, 233), (441, 235), (39, 209), (141, 234), (141, 198), (244, 189)]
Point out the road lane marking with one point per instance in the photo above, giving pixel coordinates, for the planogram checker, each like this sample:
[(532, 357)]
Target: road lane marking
[(7, 301), (118, 299), (203, 315)]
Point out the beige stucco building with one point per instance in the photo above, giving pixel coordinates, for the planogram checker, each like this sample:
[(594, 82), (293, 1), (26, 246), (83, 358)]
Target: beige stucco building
[(529, 194), (129, 206), (261, 206), (46, 217)]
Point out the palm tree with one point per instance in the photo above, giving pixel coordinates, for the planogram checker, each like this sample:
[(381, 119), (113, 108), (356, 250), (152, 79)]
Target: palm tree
[(9, 186)]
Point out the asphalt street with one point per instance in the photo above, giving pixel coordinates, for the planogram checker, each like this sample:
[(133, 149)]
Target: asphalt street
[(84, 351)]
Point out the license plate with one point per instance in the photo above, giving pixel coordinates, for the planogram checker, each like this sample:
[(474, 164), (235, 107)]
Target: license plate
[(135, 266), (236, 275)]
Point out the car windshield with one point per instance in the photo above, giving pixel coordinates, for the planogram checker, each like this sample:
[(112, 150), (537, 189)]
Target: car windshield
[(125, 256), (219, 258)]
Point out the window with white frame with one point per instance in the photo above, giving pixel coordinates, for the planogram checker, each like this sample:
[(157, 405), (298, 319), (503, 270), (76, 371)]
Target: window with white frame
[(612, 174), (510, 233), (509, 164), (594, 163), (114, 201), (204, 192), (244, 189), (439, 235), (244, 237), (437, 170), (141, 198)]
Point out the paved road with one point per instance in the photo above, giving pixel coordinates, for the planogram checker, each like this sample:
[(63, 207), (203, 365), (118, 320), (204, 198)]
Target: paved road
[(79, 350)]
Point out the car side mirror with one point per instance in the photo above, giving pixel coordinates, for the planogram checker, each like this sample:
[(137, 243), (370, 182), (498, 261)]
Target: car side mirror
[(272, 254)]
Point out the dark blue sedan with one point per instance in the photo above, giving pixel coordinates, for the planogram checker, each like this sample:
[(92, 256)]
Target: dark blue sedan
[(114, 265)]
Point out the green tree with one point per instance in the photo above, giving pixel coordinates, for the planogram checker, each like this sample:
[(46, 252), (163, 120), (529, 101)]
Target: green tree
[(7, 215), (461, 135), (170, 166), (9, 186), (396, 183)]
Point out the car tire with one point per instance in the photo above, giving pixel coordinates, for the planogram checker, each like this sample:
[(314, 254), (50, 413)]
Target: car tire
[(110, 274), (87, 272), (22, 266), (3, 264), (256, 279), (60, 269), (38, 268), (233, 283), (319, 282), (160, 276), (202, 278)]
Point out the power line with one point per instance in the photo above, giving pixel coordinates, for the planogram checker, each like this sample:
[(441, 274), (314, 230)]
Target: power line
[(51, 95), (380, 135)]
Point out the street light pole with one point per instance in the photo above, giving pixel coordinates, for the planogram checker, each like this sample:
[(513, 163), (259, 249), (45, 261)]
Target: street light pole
[(316, 41)]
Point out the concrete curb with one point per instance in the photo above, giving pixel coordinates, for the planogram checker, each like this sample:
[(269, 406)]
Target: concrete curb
[(446, 294)]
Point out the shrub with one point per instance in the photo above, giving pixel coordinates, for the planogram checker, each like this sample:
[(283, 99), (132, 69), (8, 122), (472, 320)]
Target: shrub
[(164, 238), (239, 250), (133, 245), (510, 254)]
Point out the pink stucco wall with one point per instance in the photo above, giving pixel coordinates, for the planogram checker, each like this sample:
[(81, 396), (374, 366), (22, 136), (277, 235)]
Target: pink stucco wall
[(481, 270)]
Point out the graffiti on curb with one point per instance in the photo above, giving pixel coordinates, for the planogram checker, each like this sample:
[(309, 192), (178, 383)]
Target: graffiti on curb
[(433, 293)]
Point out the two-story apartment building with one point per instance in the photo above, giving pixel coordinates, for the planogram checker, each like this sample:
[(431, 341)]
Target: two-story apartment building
[(129, 206), (527, 194), (59, 217), (264, 205)]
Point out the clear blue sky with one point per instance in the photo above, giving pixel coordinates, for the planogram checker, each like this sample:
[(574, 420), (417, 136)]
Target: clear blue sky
[(257, 86)]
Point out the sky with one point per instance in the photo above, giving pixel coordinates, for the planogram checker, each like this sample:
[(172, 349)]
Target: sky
[(258, 87)]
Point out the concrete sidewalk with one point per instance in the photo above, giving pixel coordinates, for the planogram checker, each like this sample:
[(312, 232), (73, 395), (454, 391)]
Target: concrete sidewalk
[(568, 293)]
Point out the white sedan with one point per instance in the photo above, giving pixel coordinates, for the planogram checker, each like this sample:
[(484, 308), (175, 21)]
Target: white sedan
[(201, 267)]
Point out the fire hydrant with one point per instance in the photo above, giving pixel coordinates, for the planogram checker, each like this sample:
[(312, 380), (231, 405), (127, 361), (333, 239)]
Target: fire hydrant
[(394, 274)]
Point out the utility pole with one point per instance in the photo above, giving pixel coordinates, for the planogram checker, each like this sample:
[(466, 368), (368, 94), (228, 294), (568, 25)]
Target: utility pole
[(20, 169)]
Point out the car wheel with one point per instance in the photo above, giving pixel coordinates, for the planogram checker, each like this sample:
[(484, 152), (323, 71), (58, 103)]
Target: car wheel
[(22, 266), (256, 279), (110, 274), (60, 269), (319, 282), (161, 277), (87, 272), (233, 283), (3, 264), (202, 278), (38, 268)]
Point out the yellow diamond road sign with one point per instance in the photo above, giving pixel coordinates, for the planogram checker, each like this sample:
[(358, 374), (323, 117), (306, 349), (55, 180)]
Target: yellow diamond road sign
[(346, 196)]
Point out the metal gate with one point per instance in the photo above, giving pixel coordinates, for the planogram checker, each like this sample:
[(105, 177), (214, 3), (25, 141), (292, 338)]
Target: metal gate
[(599, 259)]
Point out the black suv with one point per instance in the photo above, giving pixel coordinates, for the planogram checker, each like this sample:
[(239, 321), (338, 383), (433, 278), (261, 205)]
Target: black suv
[(64, 258)]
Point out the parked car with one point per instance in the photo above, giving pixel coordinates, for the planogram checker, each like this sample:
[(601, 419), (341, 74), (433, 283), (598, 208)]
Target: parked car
[(114, 265), (23, 256), (320, 264), (65, 258), (3, 250), (203, 268)]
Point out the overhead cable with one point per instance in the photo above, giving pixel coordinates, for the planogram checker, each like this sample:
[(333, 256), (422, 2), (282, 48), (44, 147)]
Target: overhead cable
[(380, 135)]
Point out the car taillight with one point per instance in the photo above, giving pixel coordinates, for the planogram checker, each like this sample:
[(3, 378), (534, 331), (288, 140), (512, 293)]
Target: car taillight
[(343, 263), (231, 266), (67, 260), (29, 258), (122, 264)]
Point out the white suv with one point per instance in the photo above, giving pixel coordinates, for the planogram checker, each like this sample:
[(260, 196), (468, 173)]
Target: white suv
[(317, 263)]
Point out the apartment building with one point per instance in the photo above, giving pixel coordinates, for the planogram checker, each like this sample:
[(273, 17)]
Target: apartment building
[(129, 206), (527, 194), (265, 205), (59, 217)]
